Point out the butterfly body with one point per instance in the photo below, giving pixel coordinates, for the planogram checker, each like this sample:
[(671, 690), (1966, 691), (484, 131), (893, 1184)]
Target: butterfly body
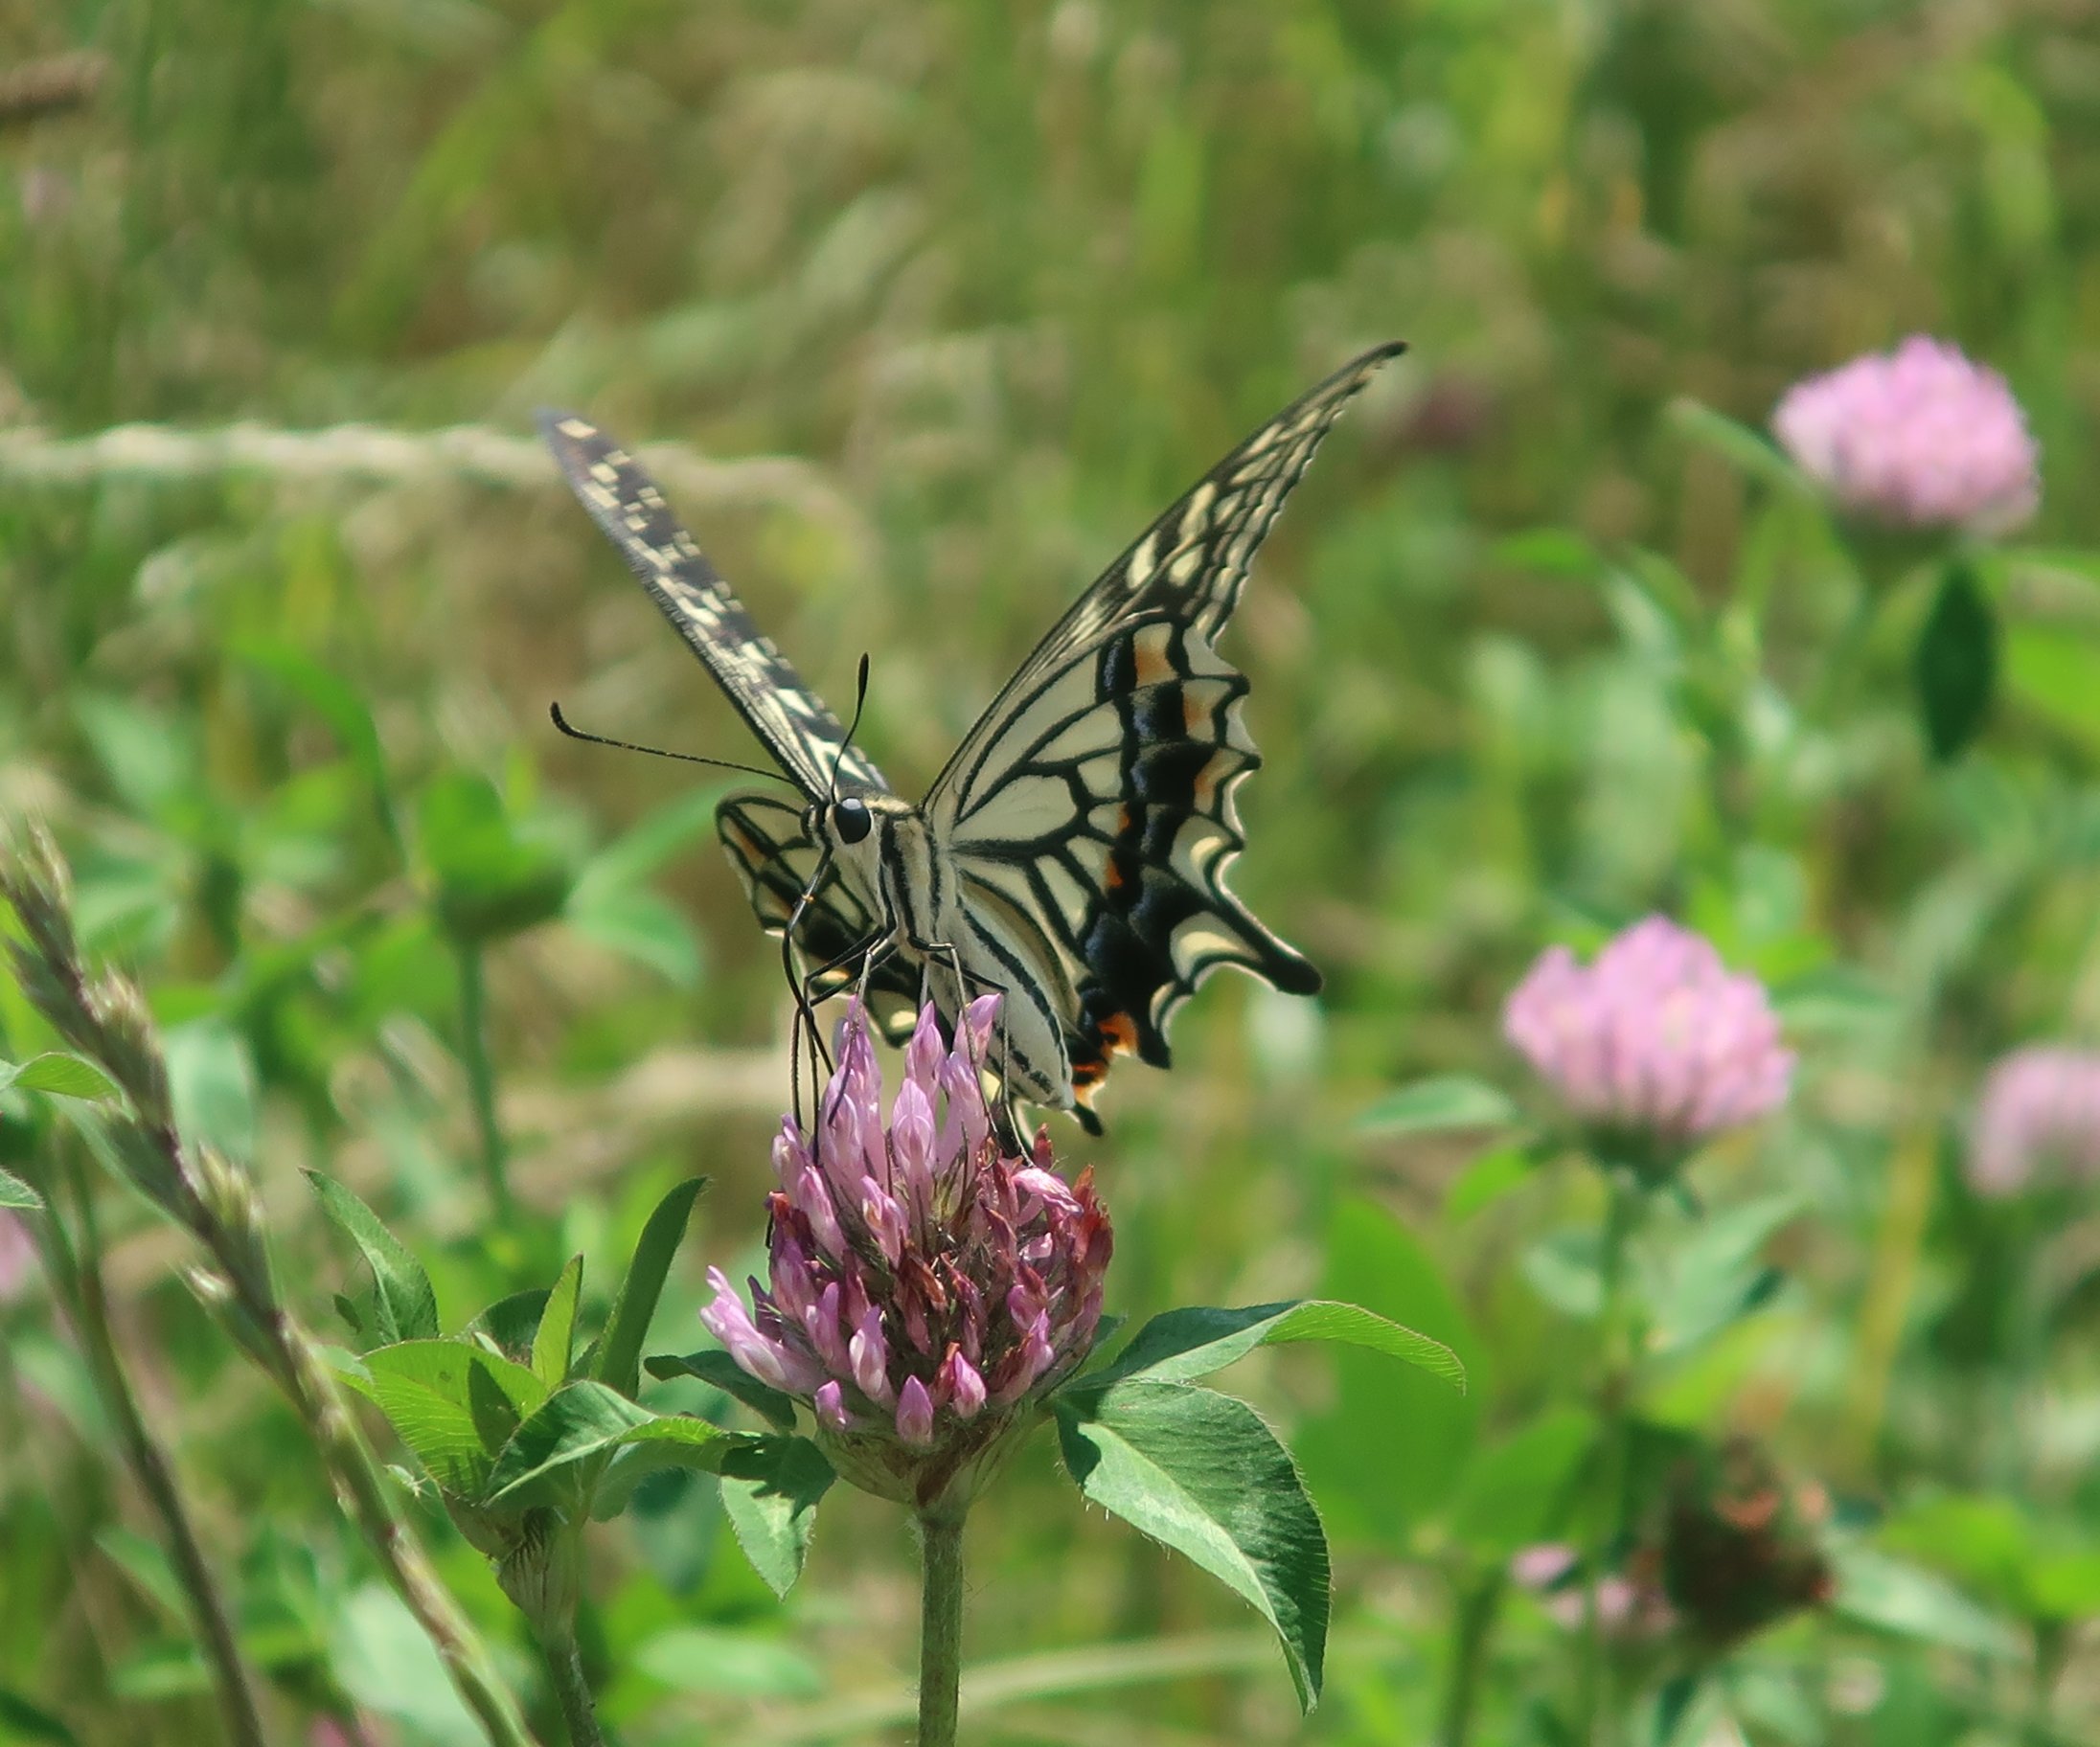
[(912, 886), (1073, 852)]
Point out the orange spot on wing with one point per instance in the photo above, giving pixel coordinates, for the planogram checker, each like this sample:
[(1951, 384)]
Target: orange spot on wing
[(1113, 1035), (1113, 878), (1152, 663)]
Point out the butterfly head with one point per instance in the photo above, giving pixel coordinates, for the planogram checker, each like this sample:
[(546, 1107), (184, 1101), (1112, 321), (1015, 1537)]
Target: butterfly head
[(851, 825), (849, 821)]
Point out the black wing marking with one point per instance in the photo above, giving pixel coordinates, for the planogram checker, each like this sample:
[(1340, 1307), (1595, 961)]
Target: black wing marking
[(1096, 797), (1114, 832), (804, 736), (1192, 562), (776, 861)]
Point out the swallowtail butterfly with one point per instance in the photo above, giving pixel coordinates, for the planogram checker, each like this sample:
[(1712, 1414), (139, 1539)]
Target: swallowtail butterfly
[(1073, 852)]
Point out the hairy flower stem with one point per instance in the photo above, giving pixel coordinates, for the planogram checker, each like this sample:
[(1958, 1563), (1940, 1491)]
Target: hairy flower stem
[(74, 1268), (1475, 1605), (1617, 1349), (571, 1690), (542, 1576), (481, 1083), (941, 1626)]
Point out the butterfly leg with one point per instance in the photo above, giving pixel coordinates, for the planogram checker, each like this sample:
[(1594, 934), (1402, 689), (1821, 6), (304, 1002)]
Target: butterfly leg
[(871, 950), (875, 953), (805, 1009), (945, 952)]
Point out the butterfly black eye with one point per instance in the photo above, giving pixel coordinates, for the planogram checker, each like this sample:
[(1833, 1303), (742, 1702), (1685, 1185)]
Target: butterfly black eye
[(850, 819)]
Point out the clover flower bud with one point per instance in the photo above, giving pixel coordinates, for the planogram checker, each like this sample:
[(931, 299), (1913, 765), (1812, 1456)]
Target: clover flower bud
[(830, 1405), (960, 1385), (925, 1051), (915, 1414), (771, 1361), (869, 1354)]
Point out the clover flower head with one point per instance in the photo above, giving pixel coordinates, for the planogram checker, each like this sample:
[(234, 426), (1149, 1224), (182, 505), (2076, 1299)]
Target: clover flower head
[(926, 1286), (1656, 1041), (2038, 1113), (1919, 437)]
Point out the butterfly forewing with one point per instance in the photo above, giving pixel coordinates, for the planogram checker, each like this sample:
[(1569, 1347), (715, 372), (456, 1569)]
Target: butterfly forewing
[(804, 736), (1193, 561), (1094, 802)]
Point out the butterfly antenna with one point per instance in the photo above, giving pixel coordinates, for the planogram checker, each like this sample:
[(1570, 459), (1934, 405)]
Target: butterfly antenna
[(860, 703), (562, 722)]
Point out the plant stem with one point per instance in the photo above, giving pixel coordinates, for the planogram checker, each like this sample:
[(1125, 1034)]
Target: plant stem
[(1615, 1355), (2050, 1642), (76, 1278), (572, 1691), (1838, 673), (481, 1083), (1475, 1611), (1891, 1277), (2012, 1389), (361, 1490), (941, 1628), (215, 1200)]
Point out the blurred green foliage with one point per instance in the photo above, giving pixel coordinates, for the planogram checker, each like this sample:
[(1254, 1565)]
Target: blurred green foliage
[(952, 296)]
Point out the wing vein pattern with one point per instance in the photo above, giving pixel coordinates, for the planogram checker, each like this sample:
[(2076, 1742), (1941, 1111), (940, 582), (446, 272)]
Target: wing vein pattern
[(790, 721), (1093, 807)]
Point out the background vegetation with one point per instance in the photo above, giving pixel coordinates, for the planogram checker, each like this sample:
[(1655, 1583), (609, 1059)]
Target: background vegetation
[(943, 302)]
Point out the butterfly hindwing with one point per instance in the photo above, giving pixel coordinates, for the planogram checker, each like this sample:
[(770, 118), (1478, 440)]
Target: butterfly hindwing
[(1113, 827), (803, 736), (777, 862), (1093, 807)]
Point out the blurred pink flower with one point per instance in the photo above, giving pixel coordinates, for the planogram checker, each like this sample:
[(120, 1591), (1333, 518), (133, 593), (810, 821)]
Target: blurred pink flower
[(1656, 1041), (17, 1256), (1627, 1611), (1917, 438), (1542, 1564), (924, 1285), (2038, 1111)]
